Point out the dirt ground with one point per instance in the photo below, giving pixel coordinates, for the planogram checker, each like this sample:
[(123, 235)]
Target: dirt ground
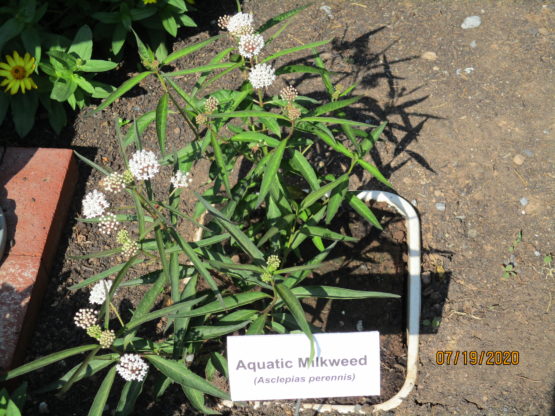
[(470, 140)]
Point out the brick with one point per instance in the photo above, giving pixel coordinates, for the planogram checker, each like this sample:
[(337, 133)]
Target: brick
[(36, 186)]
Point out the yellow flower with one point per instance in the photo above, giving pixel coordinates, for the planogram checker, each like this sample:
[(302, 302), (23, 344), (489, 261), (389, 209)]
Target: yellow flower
[(149, 1), (17, 73)]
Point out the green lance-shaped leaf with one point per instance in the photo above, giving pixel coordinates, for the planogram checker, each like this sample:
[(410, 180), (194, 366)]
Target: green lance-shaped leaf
[(196, 398), (255, 137), (348, 130), (305, 69), (126, 86), (333, 292), (297, 311), (44, 361), (325, 233), (257, 327), (235, 266), (334, 120), (188, 50), (360, 206), (295, 49), (296, 269), (162, 122), (297, 277), (205, 332), (246, 114), (314, 196), (334, 105), (129, 394), (227, 303), (204, 68), (300, 164), (179, 373), (367, 143), (141, 125), (102, 394), (218, 58), (374, 171), (146, 303), (326, 79), (337, 196), (271, 171), (219, 156), (91, 163), (197, 262), (326, 136), (238, 316), (241, 238), (280, 18), (95, 365)]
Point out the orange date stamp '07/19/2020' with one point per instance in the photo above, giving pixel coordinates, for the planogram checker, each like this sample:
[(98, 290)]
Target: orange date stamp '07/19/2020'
[(448, 357)]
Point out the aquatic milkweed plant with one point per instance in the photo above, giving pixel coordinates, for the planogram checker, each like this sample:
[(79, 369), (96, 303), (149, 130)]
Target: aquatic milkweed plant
[(249, 269)]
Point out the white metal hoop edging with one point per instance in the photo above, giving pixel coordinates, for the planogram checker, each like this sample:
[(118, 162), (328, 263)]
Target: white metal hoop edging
[(403, 207)]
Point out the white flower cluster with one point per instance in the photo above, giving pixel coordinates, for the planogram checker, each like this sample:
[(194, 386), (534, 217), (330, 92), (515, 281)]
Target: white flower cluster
[(85, 318), (181, 180), (250, 45), (114, 182), (100, 291), (108, 223), (240, 24), (262, 75), (132, 367), (144, 165), (94, 204)]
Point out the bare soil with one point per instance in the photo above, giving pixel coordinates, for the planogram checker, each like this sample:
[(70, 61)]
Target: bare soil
[(470, 140)]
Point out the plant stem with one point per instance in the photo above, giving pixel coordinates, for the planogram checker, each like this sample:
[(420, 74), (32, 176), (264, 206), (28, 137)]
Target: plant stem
[(117, 314)]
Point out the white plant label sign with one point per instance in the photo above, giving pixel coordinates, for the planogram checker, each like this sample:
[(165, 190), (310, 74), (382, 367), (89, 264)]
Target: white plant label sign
[(272, 367)]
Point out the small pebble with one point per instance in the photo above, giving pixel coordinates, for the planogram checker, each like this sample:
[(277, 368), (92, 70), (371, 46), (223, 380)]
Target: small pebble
[(327, 10), (518, 159), (468, 70), (528, 152), (190, 358), (413, 202), (472, 233), (537, 253), (426, 278), (471, 22), (429, 56), (43, 408), (440, 206), (359, 326), (473, 44), (523, 201)]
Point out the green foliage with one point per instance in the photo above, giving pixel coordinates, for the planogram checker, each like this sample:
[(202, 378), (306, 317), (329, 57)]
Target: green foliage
[(250, 270), (59, 35), (11, 404)]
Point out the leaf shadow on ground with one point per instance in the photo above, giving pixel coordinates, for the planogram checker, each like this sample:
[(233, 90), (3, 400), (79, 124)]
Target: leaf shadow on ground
[(368, 70)]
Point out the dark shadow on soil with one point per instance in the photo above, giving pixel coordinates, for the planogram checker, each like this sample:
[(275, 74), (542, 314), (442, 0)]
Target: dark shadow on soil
[(10, 164)]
